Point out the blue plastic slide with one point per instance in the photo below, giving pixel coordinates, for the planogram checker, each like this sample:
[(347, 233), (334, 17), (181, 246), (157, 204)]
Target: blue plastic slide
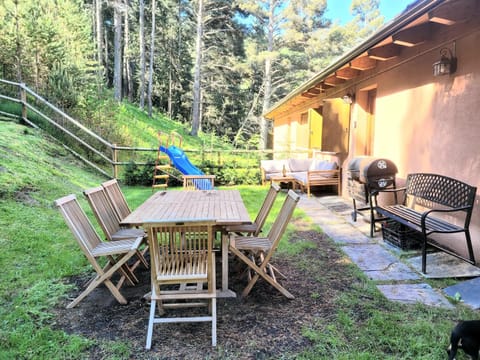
[(183, 164)]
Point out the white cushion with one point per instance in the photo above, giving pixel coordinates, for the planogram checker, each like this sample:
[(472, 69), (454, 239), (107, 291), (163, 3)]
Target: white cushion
[(268, 176), (298, 165), (325, 165), (271, 166), (301, 176)]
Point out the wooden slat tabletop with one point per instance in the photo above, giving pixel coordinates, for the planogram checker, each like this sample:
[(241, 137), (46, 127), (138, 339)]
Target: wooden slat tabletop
[(224, 206)]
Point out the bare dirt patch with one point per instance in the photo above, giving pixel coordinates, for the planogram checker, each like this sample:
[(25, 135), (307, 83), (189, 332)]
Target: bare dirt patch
[(263, 325)]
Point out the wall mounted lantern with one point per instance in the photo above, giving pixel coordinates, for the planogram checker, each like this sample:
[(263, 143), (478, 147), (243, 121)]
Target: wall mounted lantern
[(447, 64), (348, 98)]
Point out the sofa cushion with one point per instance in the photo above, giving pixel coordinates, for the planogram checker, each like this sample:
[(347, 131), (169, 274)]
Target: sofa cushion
[(298, 165), (324, 165), (268, 176), (301, 176), (274, 166)]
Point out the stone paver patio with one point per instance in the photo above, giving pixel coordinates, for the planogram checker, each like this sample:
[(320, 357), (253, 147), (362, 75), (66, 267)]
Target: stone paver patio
[(381, 262)]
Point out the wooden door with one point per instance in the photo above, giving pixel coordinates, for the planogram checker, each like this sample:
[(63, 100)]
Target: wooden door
[(336, 125)]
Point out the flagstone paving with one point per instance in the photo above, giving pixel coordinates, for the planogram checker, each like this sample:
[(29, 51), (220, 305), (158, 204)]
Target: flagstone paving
[(467, 292), (380, 261), (412, 293), (379, 264)]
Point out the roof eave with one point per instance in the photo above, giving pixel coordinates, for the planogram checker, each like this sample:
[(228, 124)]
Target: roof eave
[(387, 30)]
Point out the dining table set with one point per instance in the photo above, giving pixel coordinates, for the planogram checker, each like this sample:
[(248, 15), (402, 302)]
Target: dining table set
[(177, 235)]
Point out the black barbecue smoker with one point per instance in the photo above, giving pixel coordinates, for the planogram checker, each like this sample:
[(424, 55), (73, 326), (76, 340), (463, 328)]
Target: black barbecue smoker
[(367, 176)]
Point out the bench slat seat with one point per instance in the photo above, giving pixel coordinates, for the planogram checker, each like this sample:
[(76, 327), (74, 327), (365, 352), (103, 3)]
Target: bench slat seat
[(413, 219)]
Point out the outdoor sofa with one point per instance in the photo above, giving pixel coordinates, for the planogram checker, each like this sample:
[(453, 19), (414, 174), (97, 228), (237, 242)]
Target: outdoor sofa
[(305, 173)]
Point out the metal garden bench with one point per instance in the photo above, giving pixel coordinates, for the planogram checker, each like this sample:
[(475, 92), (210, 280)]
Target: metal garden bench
[(434, 204)]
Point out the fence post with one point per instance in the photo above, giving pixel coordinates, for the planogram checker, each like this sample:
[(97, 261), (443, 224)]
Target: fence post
[(23, 99), (115, 159)]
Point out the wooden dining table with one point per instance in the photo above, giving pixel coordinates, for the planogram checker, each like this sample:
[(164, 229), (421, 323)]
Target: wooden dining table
[(226, 207)]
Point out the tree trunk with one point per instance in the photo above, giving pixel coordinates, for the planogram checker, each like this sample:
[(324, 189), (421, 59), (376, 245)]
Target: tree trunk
[(117, 68), (170, 85), (142, 53), (99, 38), (106, 62), (198, 72), (267, 77), (150, 71), (245, 121), (18, 44), (126, 56)]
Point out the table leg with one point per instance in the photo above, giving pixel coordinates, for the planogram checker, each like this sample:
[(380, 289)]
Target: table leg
[(225, 292)]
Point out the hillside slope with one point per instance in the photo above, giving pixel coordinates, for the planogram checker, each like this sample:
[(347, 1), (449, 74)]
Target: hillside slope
[(135, 128), (34, 171)]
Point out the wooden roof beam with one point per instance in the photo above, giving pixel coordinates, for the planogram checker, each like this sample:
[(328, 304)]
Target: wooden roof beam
[(384, 53), (308, 95), (452, 13), (314, 91), (413, 36), (333, 81), (325, 86), (363, 63), (347, 73)]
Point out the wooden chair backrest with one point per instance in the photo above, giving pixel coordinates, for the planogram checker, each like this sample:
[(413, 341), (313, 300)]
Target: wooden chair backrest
[(182, 251), (103, 211), (116, 198), (266, 207), (282, 220), (198, 182), (80, 226)]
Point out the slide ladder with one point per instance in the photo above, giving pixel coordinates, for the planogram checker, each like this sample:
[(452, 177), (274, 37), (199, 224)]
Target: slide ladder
[(163, 163)]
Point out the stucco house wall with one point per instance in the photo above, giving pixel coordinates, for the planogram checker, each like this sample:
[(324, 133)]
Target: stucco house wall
[(430, 124), (423, 123)]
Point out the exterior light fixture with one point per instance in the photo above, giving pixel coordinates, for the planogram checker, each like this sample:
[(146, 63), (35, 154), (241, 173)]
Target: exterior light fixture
[(447, 64), (348, 99)]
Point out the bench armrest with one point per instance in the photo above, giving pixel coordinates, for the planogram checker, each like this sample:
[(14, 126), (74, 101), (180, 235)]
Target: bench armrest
[(453, 210)]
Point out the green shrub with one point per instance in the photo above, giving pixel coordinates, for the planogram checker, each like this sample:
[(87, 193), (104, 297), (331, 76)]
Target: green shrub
[(138, 174)]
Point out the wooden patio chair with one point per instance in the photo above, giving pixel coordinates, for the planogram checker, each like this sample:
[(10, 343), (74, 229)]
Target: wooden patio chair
[(116, 198), (198, 182), (256, 252), (256, 227), (110, 223), (117, 253), (181, 256)]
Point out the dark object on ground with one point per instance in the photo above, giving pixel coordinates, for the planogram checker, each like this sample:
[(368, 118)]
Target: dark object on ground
[(465, 335)]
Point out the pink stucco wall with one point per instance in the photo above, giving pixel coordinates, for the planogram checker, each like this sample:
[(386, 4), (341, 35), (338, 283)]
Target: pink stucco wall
[(430, 124), (421, 122)]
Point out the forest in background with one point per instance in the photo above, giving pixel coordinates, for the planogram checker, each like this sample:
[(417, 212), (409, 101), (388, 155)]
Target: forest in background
[(214, 65)]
